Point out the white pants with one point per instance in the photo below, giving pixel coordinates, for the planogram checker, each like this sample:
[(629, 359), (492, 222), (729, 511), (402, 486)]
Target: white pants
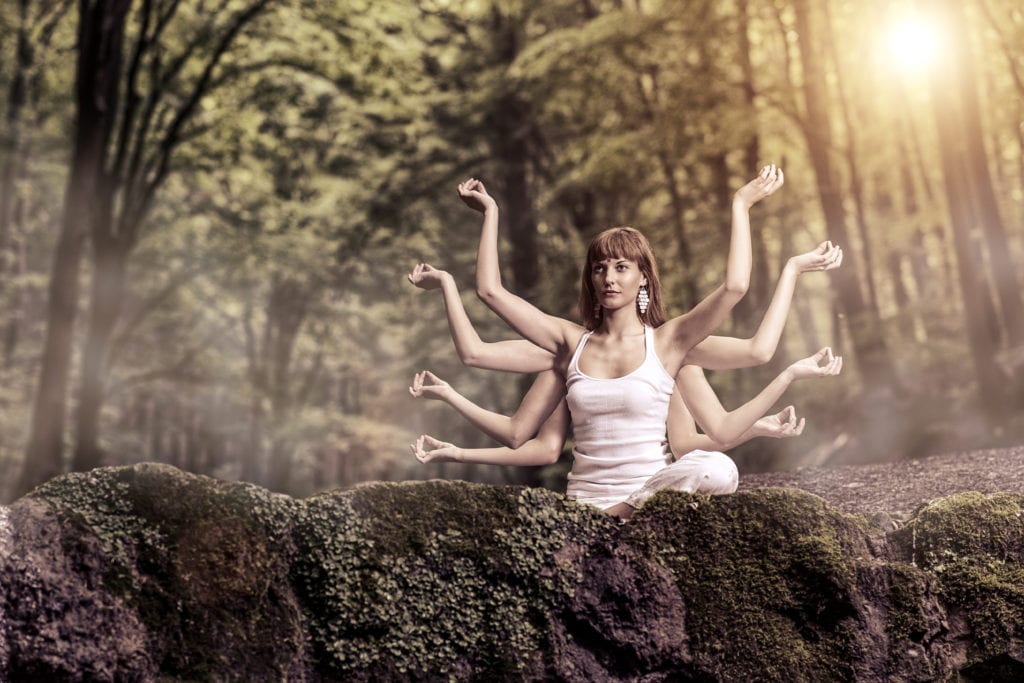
[(706, 472)]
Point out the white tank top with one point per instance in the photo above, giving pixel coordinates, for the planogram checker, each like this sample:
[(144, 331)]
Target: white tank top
[(618, 426)]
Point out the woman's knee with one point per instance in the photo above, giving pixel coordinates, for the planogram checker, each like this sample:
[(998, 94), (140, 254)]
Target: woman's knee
[(719, 476)]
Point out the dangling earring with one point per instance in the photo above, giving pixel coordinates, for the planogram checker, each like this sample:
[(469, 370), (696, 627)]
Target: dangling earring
[(597, 310), (643, 299)]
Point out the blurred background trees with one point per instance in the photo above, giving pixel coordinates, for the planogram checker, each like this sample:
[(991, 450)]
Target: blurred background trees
[(207, 208)]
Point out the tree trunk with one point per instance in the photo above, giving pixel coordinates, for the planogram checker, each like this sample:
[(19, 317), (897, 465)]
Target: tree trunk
[(865, 329), (964, 76), (977, 303), (100, 39), (105, 310), (10, 155)]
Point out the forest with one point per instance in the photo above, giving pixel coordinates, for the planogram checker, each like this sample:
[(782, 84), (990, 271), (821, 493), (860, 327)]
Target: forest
[(208, 209)]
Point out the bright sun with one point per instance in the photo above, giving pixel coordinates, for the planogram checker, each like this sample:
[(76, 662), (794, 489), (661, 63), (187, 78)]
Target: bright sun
[(913, 42)]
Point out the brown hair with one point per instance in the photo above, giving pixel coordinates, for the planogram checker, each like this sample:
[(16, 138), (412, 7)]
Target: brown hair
[(627, 243)]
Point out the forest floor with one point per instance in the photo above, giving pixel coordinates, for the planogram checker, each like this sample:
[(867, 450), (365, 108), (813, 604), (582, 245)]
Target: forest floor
[(899, 488)]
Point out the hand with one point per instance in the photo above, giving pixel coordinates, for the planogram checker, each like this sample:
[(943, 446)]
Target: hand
[(437, 389), (428, 449), (474, 195), (426, 276), (811, 366), (780, 425), (825, 256), (766, 183)]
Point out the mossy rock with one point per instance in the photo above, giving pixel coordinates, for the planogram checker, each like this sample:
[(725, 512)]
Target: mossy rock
[(974, 545), (148, 573)]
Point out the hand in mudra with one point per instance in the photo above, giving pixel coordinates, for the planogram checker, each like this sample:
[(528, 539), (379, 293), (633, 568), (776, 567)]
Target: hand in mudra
[(426, 276), (428, 385), (428, 449), (781, 425), (821, 364), (825, 256), (474, 195), (765, 184)]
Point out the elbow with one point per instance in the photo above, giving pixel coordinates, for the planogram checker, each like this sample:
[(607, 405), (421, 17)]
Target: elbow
[(551, 456), (737, 287), (487, 293), (761, 355), (471, 359), (722, 434)]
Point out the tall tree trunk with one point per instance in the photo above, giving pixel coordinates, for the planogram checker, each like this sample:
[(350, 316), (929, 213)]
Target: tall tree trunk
[(977, 303), (852, 167), (865, 329), (100, 40), (105, 309), (964, 76), (10, 155)]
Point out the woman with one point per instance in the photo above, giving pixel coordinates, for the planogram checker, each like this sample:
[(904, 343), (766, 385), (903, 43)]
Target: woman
[(619, 373)]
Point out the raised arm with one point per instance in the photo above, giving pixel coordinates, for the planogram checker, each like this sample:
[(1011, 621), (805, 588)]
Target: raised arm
[(516, 355), (544, 395), (677, 336), (727, 427), (543, 449), (553, 334), (730, 353)]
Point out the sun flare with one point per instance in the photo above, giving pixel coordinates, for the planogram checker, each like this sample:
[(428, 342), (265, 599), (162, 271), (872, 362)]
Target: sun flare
[(913, 42)]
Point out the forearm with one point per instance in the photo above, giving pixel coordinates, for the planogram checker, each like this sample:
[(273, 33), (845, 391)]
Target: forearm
[(532, 453), (729, 428), (468, 344), (766, 340), (488, 272), (494, 425), (737, 271)]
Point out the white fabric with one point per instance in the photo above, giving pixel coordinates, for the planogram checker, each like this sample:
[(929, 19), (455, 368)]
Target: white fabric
[(618, 427), (708, 472)]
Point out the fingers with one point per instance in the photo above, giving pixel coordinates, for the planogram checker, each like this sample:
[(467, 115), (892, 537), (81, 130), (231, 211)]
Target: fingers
[(417, 385), (799, 428), (427, 374), (822, 354)]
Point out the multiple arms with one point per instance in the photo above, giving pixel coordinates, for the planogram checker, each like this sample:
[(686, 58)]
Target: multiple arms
[(511, 356), (729, 353), (677, 336), (683, 436), (543, 449), (540, 401), (728, 427), (552, 334)]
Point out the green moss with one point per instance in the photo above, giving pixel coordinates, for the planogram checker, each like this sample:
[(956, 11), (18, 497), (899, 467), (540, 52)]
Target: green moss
[(967, 525), (196, 558), (906, 619), (767, 577), (415, 578), (974, 544)]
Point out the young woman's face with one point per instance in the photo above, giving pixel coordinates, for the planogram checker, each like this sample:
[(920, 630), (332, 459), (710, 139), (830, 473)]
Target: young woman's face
[(616, 282)]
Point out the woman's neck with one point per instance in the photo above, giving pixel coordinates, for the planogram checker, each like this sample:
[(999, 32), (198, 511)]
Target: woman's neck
[(622, 322)]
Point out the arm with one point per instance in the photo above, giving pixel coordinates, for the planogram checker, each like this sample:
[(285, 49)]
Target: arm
[(679, 335), (553, 334), (729, 353), (540, 401), (728, 427), (512, 356), (544, 449), (683, 436)]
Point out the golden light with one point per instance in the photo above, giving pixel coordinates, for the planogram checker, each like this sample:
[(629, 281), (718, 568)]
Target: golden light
[(913, 42)]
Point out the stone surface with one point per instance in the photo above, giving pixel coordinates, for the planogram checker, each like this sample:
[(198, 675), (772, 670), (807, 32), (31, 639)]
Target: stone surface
[(147, 573)]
